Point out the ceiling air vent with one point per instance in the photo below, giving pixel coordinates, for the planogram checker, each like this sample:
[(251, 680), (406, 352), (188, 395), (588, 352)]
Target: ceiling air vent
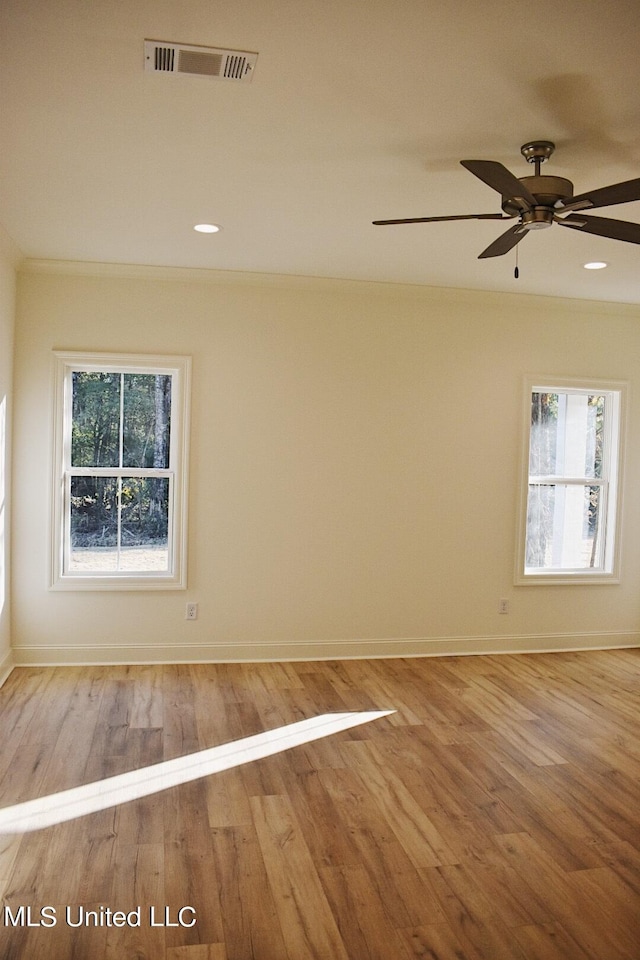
[(160, 57)]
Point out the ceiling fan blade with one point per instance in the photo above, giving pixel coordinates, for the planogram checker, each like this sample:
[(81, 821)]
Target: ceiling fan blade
[(505, 242), (499, 178), (604, 197), (468, 216), (603, 227)]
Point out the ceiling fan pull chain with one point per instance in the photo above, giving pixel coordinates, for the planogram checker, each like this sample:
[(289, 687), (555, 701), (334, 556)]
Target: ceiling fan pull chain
[(516, 272)]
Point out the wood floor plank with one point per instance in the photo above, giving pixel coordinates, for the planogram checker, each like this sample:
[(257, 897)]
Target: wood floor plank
[(435, 941), (191, 881), (179, 716), (549, 941), (319, 819), (471, 917), (419, 837), (137, 881), (23, 780), (147, 707), (9, 846), (227, 800), (601, 801), (52, 756), (596, 936), (21, 694), (609, 902), (190, 877), (100, 853), (360, 913), (249, 916), (408, 902), (552, 883), (488, 700), (624, 860), (202, 951), (309, 926), (26, 942)]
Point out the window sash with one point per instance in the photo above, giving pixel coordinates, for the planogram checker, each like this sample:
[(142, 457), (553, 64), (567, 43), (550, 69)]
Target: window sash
[(582, 540), (118, 573)]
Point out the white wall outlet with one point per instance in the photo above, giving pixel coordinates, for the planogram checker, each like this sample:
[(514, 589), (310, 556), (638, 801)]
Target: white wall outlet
[(191, 612), (503, 606)]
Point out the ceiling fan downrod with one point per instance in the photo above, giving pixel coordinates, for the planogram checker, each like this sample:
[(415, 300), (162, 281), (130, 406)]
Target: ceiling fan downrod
[(536, 152)]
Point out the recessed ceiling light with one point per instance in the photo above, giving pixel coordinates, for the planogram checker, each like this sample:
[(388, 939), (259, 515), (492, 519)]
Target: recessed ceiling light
[(595, 265), (206, 227)]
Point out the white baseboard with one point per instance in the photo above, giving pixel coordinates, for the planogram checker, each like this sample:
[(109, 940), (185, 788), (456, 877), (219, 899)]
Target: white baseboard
[(6, 666), (320, 650)]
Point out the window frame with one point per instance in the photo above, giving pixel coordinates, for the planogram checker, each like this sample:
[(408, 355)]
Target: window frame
[(65, 363), (616, 395)]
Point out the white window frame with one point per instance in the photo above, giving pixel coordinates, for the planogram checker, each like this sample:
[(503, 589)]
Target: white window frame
[(608, 570), (175, 577)]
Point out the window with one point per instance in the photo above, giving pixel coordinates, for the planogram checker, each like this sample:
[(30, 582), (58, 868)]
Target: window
[(119, 483), (571, 490)]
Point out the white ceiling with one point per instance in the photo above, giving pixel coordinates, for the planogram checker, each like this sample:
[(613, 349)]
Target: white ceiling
[(358, 110)]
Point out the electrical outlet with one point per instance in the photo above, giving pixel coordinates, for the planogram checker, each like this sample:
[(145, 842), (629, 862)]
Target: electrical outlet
[(191, 612), (503, 606)]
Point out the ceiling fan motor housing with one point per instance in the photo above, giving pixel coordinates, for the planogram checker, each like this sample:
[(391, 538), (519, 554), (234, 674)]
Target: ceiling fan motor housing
[(547, 191)]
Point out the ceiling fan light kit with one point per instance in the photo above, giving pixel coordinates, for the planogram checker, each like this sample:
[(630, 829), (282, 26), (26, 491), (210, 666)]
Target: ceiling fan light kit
[(540, 201)]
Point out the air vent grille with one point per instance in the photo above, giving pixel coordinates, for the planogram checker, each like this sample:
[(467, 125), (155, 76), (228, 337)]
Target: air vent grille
[(235, 67), (164, 58), (217, 64)]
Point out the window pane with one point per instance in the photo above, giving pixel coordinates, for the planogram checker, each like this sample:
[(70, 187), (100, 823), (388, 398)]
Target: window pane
[(563, 527), (135, 540), (96, 419), (566, 435), (145, 523), (94, 524), (596, 437), (544, 434), (147, 414)]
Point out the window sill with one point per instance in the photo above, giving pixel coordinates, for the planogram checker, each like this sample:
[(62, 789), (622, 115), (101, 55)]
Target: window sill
[(112, 583), (564, 577)]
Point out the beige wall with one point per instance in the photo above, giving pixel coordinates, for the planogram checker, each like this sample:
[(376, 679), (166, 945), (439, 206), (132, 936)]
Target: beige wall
[(355, 458), (8, 262)]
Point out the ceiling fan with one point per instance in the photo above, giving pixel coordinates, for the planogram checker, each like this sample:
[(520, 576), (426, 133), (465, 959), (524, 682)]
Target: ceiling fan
[(540, 201)]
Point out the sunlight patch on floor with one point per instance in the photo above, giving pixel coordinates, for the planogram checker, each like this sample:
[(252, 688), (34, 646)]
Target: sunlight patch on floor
[(92, 797)]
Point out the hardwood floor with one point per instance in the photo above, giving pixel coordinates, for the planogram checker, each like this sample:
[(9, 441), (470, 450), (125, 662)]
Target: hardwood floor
[(495, 815)]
